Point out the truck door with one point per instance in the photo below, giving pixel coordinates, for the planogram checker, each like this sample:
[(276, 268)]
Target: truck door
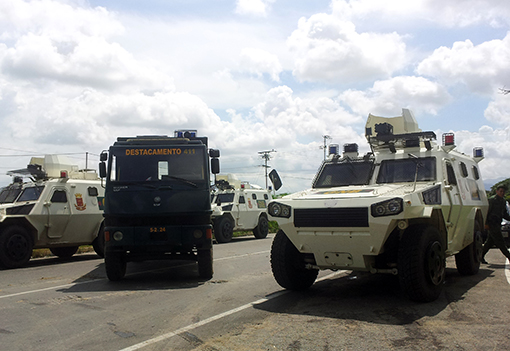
[(58, 212), (240, 211), (455, 201)]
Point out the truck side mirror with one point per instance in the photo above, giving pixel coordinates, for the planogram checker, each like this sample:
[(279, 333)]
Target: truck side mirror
[(214, 153), (275, 179), (215, 165), (103, 157), (102, 169)]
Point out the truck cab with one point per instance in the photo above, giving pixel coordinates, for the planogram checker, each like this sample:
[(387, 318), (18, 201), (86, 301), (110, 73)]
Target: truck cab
[(158, 201)]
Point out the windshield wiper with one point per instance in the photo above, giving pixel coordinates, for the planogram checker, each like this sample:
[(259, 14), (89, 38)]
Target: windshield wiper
[(181, 180)]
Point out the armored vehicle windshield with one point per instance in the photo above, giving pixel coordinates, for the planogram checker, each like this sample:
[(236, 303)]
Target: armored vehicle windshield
[(345, 172), (407, 170)]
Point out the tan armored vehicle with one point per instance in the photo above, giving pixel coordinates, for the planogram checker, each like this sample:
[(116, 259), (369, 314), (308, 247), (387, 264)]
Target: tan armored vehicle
[(60, 208), (238, 206), (401, 209)]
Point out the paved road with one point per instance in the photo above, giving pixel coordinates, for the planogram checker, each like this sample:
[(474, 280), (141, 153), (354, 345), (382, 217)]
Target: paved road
[(56, 305)]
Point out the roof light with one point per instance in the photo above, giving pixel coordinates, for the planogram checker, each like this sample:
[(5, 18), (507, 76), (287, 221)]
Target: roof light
[(333, 149), (185, 133), (478, 152), (448, 139), (63, 174), (351, 147)]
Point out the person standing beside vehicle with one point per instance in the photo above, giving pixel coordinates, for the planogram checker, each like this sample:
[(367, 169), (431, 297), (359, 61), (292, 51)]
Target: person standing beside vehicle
[(497, 211)]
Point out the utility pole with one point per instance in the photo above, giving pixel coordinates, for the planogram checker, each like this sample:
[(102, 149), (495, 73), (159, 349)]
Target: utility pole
[(326, 138), (266, 156)]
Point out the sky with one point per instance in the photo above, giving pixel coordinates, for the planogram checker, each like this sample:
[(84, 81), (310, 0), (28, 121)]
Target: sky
[(252, 75)]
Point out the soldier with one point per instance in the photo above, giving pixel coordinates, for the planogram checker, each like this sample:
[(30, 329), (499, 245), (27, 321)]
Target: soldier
[(497, 211)]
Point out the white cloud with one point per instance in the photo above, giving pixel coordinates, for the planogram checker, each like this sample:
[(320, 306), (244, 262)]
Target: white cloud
[(329, 49), (498, 110), (259, 61), (483, 68), (387, 96), (447, 13), (253, 7)]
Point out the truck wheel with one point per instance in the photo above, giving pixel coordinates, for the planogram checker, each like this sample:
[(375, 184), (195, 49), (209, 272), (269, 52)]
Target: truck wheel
[(98, 243), (205, 263), (288, 265), (115, 264), (262, 228), (421, 263), (15, 247), (468, 260), (223, 230), (64, 252)]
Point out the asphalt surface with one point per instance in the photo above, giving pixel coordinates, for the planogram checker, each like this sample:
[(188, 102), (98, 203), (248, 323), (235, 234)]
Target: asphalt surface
[(55, 304)]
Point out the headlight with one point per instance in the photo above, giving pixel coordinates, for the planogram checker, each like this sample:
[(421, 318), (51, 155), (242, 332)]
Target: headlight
[(387, 208), (277, 209)]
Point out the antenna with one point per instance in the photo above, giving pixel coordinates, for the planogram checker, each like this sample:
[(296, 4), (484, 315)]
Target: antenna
[(325, 146)]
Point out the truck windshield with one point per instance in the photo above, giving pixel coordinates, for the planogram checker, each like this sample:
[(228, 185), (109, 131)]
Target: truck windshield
[(158, 164), (406, 170), (31, 193), (344, 173), (9, 194)]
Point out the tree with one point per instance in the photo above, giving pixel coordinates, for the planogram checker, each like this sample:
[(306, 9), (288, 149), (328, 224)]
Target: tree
[(505, 182), (504, 91)]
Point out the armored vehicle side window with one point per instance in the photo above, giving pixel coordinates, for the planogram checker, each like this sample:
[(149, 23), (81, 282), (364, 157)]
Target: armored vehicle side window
[(451, 174), (31, 194), (223, 198), (254, 196), (92, 190), (475, 173), (9, 194), (242, 200), (463, 170), (407, 170), (344, 173), (59, 196), (266, 197)]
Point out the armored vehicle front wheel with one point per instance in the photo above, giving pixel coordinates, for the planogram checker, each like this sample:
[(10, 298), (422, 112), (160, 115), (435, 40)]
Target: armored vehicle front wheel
[(115, 264), (421, 263), (468, 260), (288, 265), (205, 263), (223, 229), (262, 228), (15, 247), (64, 252)]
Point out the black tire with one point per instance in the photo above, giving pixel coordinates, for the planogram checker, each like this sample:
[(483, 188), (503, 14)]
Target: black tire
[(262, 228), (15, 247), (64, 252), (99, 243), (421, 263), (288, 265), (223, 229), (115, 264), (205, 263), (468, 260)]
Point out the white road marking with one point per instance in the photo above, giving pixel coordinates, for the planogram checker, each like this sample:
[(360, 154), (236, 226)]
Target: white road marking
[(507, 270), (216, 317), (144, 272)]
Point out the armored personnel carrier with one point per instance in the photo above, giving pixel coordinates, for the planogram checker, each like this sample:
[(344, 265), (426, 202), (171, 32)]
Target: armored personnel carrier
[(238, 206), (400, 209), (50, 204)]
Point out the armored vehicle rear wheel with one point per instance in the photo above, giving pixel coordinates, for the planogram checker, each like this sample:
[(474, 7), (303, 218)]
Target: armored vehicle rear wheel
[(223, 229), (205, 263), (64, 252), (421, 263), (115, 264), (468, 260), (288, 265), (262, 228), (15, 247)]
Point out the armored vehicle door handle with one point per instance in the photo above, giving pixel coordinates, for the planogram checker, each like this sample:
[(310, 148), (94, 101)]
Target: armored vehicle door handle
[(448, 187)]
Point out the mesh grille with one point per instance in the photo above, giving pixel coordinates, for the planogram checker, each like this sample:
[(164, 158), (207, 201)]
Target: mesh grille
[(331, 217)]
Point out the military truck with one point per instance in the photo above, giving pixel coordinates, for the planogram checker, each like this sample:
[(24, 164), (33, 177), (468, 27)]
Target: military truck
[(50, 204), (238, 206), (157, 201), (401, 208)]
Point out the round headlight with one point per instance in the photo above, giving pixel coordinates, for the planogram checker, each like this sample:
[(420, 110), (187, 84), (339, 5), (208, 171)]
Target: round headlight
[(117, 236), (394, 206), (380, 210), (275, 210)]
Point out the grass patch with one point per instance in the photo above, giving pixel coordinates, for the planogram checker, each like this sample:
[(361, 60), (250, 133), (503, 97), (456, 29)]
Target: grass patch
[(38, 253)]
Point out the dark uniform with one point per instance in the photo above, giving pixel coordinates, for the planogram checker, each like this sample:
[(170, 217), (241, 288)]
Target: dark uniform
[(497, 211)]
